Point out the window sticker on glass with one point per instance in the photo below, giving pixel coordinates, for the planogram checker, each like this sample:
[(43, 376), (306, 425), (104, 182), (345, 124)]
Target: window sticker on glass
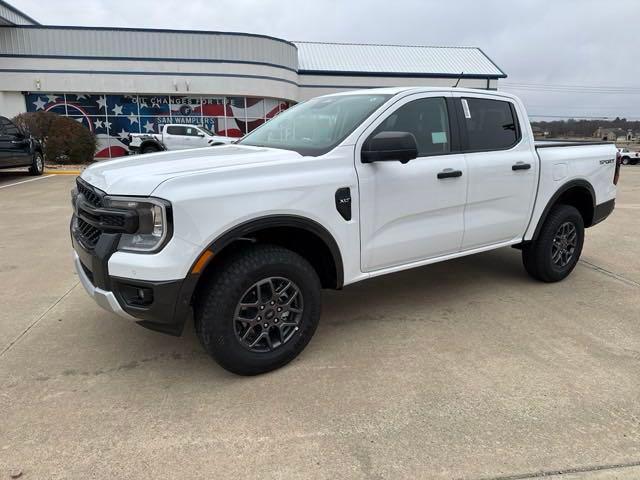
[(438, 137), (465, 107)]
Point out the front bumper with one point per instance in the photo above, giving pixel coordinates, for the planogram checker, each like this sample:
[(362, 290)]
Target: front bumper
[(104, 298), (164, 306)]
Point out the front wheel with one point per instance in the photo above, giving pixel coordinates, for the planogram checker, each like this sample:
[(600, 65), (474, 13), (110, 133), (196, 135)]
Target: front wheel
[(37, 164), (625, 161), (556, 251), (259, 311)]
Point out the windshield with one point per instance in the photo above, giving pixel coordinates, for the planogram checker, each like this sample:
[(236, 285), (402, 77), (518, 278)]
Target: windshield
[(317, 126)]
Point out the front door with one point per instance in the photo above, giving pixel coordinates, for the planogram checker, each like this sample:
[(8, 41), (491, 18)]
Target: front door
[(502, 172), (414, 211), (198, 138)]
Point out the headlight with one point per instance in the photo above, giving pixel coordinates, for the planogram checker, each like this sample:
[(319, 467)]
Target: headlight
[(154, 223)]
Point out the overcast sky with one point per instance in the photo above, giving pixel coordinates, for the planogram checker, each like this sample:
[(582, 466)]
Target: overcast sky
[(558, 49)]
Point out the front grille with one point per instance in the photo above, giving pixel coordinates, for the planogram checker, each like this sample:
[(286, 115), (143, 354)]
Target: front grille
[(89, 193), (88, 233)]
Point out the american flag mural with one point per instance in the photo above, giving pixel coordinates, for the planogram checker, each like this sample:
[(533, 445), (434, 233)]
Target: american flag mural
[(112, 117)]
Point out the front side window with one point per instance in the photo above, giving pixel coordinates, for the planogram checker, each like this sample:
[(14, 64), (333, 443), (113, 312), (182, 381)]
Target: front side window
[(427, 119), (192, 132), (317, 126), (491, 124)]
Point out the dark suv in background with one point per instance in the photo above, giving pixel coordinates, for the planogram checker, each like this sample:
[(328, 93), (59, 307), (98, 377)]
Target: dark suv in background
[(18, 149)]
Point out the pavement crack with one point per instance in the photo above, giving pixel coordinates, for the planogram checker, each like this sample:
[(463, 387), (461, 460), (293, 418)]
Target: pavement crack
[(609, 273), (564, 471), (37, 320)]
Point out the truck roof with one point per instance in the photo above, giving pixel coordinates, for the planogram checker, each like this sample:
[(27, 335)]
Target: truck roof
[(407, 90)]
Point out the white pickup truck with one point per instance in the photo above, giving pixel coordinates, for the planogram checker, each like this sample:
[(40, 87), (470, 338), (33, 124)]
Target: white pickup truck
[(334, 191), (628, 157), (175, 136)]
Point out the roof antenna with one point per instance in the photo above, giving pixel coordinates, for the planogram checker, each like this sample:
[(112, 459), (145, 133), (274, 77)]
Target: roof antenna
[(459, 78)]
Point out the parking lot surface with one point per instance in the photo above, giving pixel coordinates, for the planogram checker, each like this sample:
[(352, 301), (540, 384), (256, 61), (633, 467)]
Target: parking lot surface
[(465, 369)]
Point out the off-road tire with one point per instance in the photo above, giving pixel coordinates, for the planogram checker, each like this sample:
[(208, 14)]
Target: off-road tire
[(37, 164), (218, 298), (537, 255), (150, 149)]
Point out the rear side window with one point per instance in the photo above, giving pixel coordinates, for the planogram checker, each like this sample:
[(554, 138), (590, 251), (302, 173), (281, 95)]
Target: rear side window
[(176, 130), (427, 119), (491, 124), (11, 129), (8, 128)]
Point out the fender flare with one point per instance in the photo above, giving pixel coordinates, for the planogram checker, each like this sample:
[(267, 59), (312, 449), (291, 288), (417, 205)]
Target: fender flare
[(552, 201), (295, 221), (183, 302)]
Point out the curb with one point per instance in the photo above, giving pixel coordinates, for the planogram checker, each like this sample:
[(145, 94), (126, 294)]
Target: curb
[(62, 172)]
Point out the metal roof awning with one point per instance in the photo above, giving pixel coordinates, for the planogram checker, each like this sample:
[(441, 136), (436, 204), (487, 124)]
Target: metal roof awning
[(394, 60)]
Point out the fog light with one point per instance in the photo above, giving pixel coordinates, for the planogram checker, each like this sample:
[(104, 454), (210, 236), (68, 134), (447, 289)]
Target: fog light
[(145, 296), (136, 296)]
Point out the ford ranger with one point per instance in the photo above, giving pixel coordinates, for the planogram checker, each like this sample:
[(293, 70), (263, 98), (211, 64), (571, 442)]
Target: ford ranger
[(175, 137), (334, 191)]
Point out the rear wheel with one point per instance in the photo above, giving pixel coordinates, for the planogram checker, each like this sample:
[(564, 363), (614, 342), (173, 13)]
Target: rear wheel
[(556, 251), (259, 311), (150, 149), (37, 164)]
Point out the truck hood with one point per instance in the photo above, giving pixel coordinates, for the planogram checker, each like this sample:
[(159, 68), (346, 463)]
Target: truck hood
[(142, 174)]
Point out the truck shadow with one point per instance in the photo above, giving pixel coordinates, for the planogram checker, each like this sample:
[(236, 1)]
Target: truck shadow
[(12, 175), (425, 289)]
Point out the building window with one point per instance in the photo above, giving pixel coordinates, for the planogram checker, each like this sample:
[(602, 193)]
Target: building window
[(113, 117)]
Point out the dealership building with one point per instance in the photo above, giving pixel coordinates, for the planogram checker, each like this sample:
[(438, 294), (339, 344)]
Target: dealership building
[(117, 81)]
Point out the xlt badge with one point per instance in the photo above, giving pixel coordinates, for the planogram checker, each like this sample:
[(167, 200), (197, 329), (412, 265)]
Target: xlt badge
[(343, 202)]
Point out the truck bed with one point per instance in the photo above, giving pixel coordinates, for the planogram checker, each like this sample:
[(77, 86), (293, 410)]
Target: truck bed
[(588, 163)]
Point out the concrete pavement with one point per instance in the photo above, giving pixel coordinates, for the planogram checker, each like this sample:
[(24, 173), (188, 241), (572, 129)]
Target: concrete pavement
[(465, 369)]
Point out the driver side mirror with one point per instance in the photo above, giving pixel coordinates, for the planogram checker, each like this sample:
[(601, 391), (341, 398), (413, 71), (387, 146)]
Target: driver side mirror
[(389, 147), (200, 134)]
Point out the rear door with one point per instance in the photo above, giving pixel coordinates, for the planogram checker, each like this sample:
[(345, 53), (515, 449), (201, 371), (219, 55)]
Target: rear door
[(502, 170), (414, 211), (175, 137)]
